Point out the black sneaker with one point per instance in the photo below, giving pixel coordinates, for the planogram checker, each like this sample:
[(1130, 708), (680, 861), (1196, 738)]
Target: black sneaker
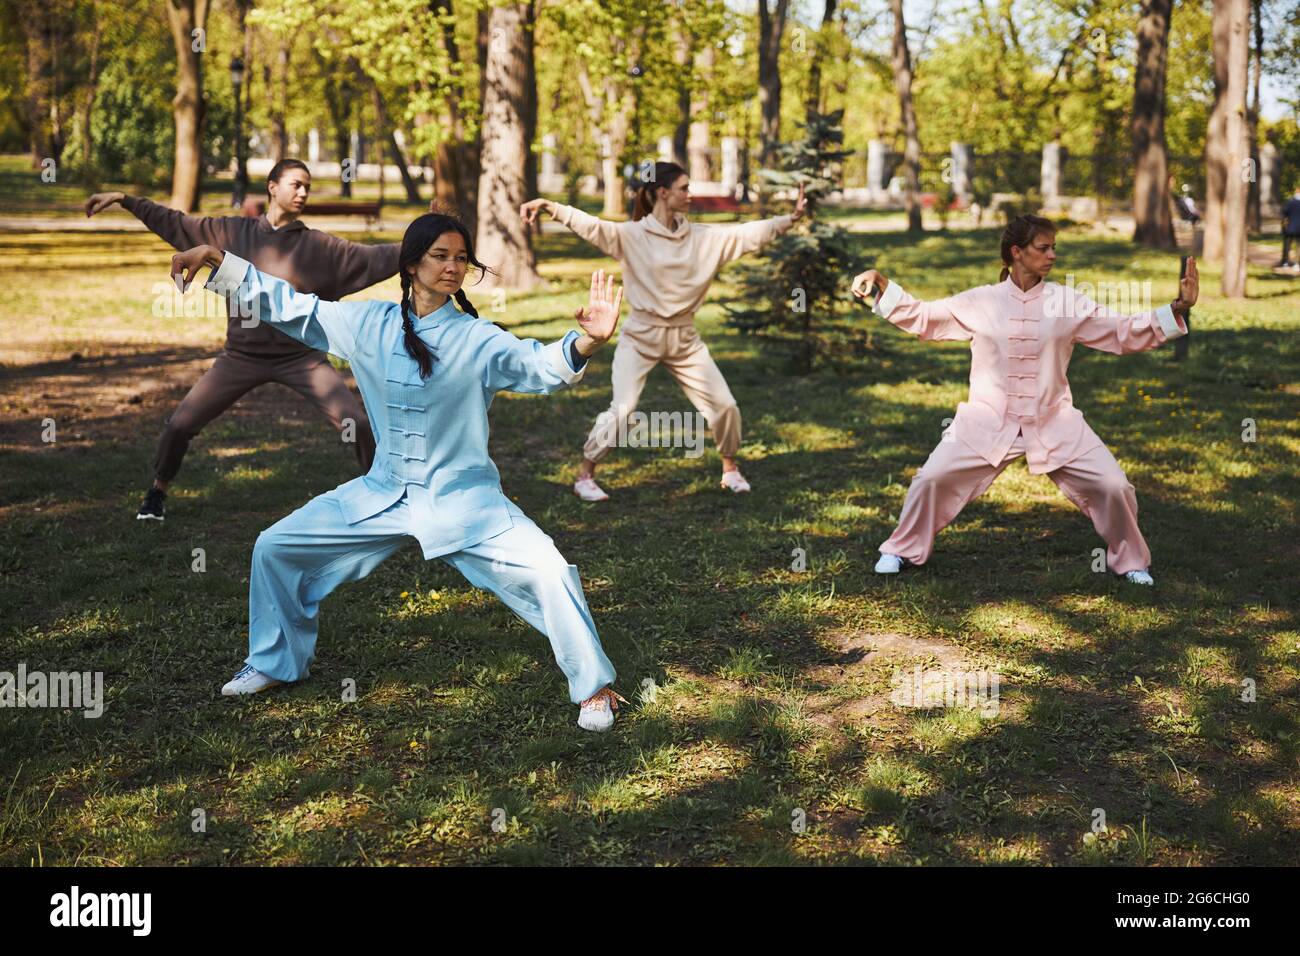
[(152, 506)]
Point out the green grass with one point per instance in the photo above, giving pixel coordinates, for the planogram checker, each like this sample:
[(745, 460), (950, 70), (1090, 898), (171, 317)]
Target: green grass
[(760, 695)]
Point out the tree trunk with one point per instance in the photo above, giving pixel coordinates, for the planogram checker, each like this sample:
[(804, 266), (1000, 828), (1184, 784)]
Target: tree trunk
[(1237, 144), (279, 123), (90, 167), (448, 177), (771, 27), (1153, 225), (502, 241), (682, 54), (186, 16), (1257, 68), (1216, 170), (902, 62), (813, 97), (697, 142), (389, 134)]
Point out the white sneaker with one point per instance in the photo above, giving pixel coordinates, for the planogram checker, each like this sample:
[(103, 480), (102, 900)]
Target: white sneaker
[(249, 681), (1140, 577), (735, 482), (597, 711), (588, 490), (889, 564)]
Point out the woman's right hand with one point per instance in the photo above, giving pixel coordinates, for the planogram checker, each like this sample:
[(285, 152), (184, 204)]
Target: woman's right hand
[(865, 281), (101, 201), (529, 211), (185, 265)]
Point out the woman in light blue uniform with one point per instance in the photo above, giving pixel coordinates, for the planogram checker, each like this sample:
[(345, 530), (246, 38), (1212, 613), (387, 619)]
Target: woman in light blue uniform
[(428, 372)]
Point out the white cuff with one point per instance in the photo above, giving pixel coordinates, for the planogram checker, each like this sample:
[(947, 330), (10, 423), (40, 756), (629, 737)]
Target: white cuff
[(558, 360), (226, 278), (1168, 323), (886, 303)]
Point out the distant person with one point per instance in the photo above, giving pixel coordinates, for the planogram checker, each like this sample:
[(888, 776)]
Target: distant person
[(255, 353), (1186, 206), (1290, 228)]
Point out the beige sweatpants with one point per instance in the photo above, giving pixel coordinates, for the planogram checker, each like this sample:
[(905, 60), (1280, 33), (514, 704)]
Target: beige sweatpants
[(640, 348)]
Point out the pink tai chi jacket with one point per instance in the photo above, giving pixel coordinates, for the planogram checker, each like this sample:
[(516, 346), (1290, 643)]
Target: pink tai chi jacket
[(1020, 352)]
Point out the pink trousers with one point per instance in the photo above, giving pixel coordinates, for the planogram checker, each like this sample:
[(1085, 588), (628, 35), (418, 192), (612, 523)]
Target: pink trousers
[(953, 476)]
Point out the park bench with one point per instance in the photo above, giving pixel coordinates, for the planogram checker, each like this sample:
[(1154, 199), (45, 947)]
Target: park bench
[(715, 204), (255, 207)]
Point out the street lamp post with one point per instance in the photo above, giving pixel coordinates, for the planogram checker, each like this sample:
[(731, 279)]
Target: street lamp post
[(241, 173)]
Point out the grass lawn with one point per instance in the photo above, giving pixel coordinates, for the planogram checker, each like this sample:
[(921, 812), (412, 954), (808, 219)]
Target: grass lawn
[(760, 694)]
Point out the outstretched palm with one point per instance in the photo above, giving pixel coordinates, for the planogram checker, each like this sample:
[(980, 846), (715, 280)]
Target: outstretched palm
[(600, 316)]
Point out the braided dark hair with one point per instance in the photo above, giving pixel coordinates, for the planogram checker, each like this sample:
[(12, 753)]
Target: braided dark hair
[(419, 236)]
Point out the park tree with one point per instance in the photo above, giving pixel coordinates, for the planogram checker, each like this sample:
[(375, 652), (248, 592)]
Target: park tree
[(771, 29), (1153, 224), (1216, 135), (188, 20), (902, 62), (1235, 158), (791, 299), (509, 105)]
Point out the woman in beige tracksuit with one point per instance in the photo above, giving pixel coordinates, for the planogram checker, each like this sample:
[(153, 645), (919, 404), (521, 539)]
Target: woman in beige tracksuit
[(668, 263)]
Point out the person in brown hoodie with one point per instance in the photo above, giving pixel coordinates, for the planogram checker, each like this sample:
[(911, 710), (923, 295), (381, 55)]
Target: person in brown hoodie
[(255, 353), (668, 263)]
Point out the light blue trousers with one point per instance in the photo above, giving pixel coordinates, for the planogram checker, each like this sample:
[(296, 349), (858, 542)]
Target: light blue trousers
[(306, 555)]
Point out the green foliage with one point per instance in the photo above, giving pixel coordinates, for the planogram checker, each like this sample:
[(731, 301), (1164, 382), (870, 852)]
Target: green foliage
[(792, 300)]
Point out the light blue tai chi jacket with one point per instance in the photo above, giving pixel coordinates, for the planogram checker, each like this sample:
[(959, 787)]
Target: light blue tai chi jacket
[(431, 435)]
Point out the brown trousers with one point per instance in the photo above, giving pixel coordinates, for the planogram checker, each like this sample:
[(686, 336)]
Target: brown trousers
[(235, 374)]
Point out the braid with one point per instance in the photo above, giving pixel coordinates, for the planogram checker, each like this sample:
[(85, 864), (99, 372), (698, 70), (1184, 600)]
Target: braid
[(462, 300), (415, 346)]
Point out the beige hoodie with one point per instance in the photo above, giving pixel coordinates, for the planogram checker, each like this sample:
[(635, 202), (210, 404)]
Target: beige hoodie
[(666, 272)]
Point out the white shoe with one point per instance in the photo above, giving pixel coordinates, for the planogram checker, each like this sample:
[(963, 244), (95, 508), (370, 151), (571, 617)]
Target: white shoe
[(249, 681), (588, 490), (734, 481), (1140, 577), (889, 564), (597, 711)]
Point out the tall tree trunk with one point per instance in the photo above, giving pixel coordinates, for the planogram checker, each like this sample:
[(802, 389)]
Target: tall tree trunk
[(1153, 225), (813, 97), (280, 102), (697, 142), (1257, 68), (185, 17), (682, 55), (389, 134), (38, 29), (448, 181), (902, 62), (771, 28), (1216, 171), (503, 241), (90, 165), (1237, 145), (471, 168)]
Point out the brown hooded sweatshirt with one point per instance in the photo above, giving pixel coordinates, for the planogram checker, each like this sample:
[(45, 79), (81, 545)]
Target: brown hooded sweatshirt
[(308, 259)]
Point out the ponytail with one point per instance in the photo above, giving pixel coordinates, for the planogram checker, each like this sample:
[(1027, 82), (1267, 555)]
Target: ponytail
[(415, 346), (663, 176), (1021, 232)]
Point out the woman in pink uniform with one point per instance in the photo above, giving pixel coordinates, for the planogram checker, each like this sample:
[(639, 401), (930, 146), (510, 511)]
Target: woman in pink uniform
[(1022, 332)]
